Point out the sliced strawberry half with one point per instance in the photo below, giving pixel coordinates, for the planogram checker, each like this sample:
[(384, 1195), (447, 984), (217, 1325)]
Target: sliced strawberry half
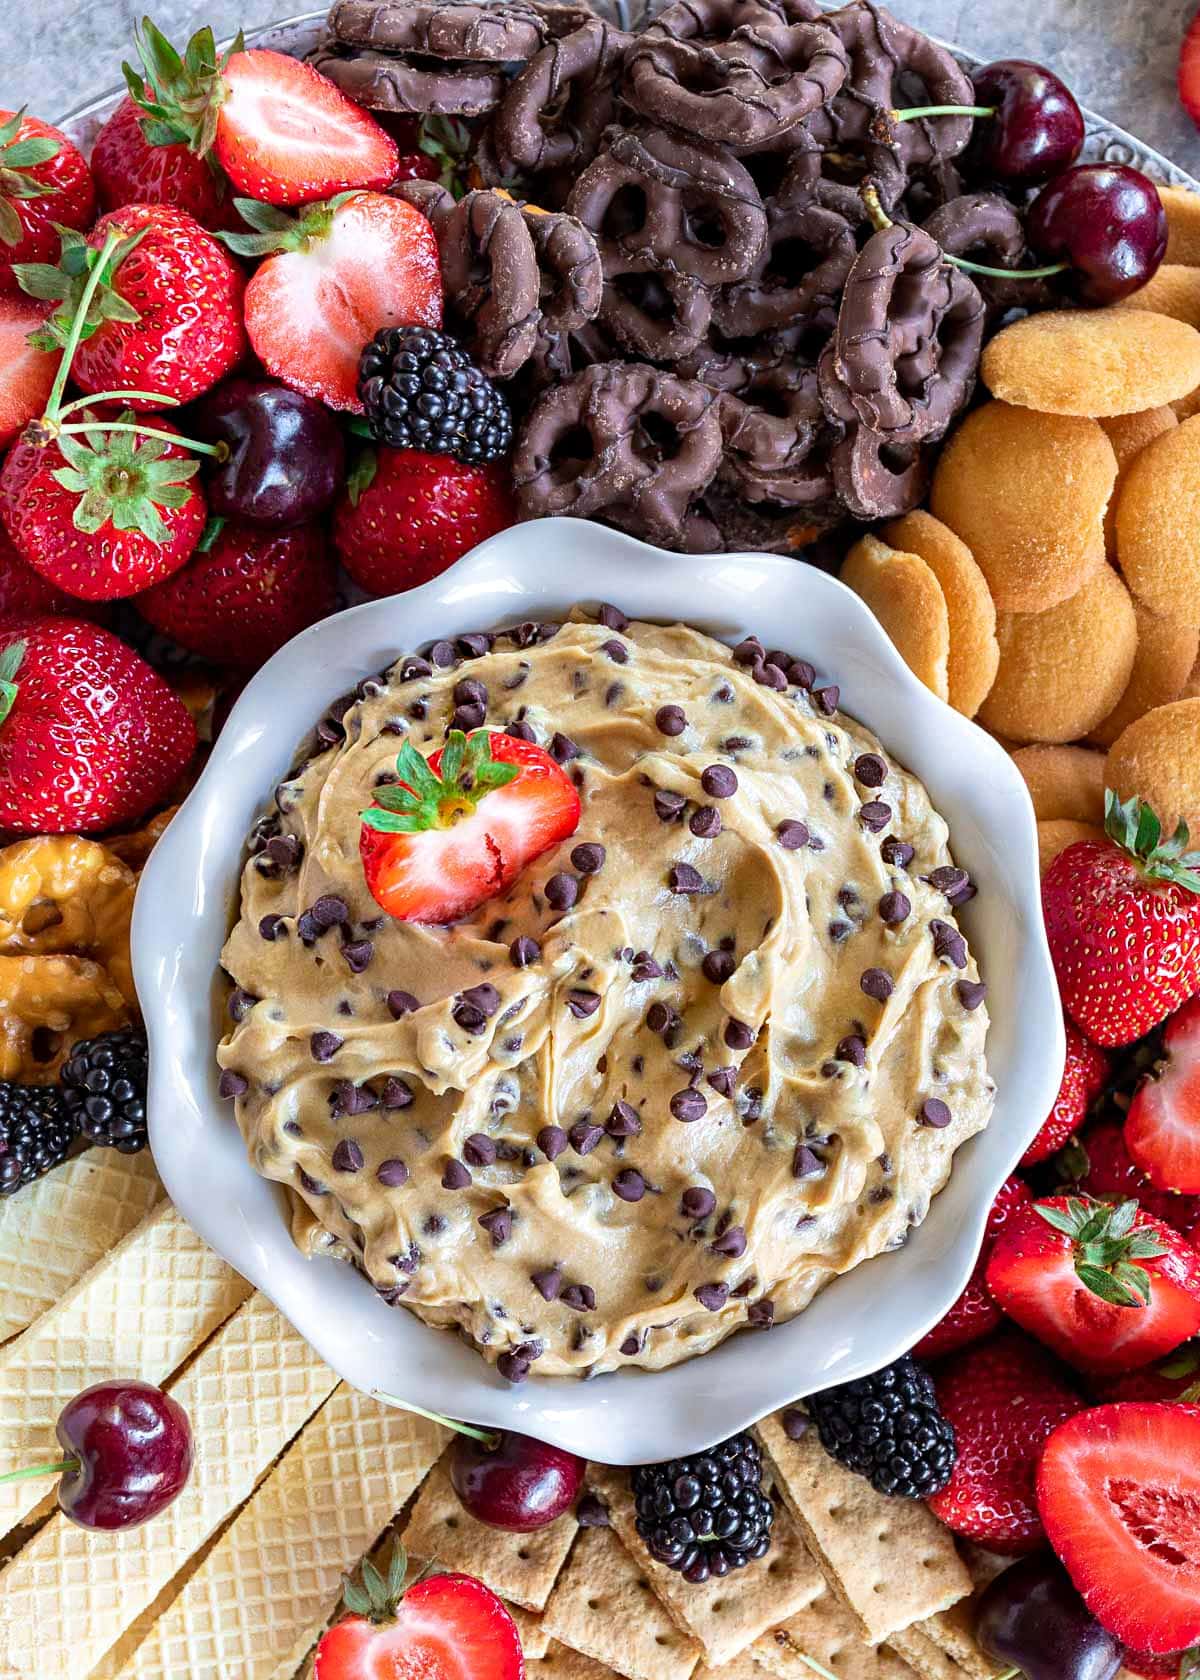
[(446, 1627), (1118, 1488), (458, 828), (333, 277), (1162, 1130), (26, 373), (1110, 1172)]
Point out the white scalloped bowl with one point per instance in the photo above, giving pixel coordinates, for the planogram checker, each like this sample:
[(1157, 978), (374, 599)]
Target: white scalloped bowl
[(188, 897)]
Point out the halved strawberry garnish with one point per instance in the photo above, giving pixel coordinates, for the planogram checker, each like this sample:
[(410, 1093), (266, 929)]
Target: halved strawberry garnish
[(458, 828), (1108, 1288), (343, 270), (26, 372), (443, 1627), (1118, 1488), (1101, 1164), (1162, 1129)]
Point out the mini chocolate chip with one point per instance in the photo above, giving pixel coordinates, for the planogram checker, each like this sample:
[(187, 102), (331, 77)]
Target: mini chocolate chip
[(948, 942), (705, 823), (330, 911), (520, 730), (896, 852), (718, 966), (722, 1080), (412, 665), (689, 1105), (771, 676), (561, 891), (670, 720), (484, 997), (659, 1017), (358, 954), (467, 717), (582, 1003), (731, 1242), (668, 806), (469, 1018), (682, 878), (392, 1173), (547, 1282), (894, 908), (474, 644), (616, 651), (629, 1185), (971, 993), (512, 1369), (697, 1202), (469, 691), (588, 858), (806, 1163), (761, 1314), (552, 1141), (802, 673), (293, 1128), (397, 1093), (752, 1107), (592, 1512), (851, 1049), (792, 834), (524, 951), (347, 1157), (312, 1185), (580, 1297), (612, 617), (479, 1150), (401, 1004), (712, 1296), (870, 770), (325, 1045), (454, 1175), (270, 928), (945, 879), (498, 1225), (827, 698), (738, 1036), (584, 1136), (623, 1121), (719, 781), (875, 815), (645, 967), (285, 849), (748, 652), (562, 748), (239, 1003), (442, 654), (933, 1112), (232, 1084), (877, 983), (840, 931), (795, 1423)]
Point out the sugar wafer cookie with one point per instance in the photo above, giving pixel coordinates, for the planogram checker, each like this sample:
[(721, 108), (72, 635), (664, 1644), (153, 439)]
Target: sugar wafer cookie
[(604, 1606)]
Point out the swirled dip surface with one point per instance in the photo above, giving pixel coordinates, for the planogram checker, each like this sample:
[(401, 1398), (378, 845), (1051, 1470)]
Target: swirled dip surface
[(736, 1065)]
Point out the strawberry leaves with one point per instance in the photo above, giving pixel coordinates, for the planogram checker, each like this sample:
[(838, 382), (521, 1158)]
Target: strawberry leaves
[(423, 799), (123, 479), (1107, 1246), (1136, 829), (276, 230), (10, 664), (80, 268), (378, 1596), (179, 96), (17, 157)]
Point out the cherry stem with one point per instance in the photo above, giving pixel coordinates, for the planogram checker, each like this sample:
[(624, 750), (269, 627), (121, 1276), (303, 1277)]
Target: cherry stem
[(490, 1438), (811, 1662), (876, 214), (1008, 1674), (111, 242), (117, 396), (912, 112), (32, 1470), (1008, 273), (218, 450)]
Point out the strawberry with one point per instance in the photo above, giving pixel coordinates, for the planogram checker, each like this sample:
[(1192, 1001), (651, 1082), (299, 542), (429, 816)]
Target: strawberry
[(1108, 1288), (1110, 1172), (23, 591), (246, 594), (102, 513), (405, 516), (90, 736), (458, 829), (974, 1314), (1003, 1398), (1123, 921), (1189, 71), (1084, 1077), (133, 166), (1118, 1488), (26, 372), (335, 275), (1166, 1381), (1175, 1665), (153, 301), (1162, 1128), (44, 185), (442, 1627)]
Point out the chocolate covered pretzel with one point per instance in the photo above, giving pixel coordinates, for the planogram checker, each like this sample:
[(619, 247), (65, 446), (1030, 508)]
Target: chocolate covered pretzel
[(417, 87), (490, 272), (802, 267), (555, 111), (470, 30), (778, 441)]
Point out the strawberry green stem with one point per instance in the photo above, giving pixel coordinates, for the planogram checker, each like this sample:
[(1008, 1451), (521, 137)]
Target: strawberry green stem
[(220, 451), (490, 1438), (112, 240), (912, 112), (32, 1470)]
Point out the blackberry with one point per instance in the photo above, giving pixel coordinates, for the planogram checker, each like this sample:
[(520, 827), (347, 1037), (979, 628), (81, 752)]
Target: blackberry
[(104, 1089), (888, 1428), (422, 391), (708, 1514), (35, 1133)]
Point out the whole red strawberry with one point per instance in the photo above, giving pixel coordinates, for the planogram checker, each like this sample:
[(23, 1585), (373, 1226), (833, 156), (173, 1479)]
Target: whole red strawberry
[(405, 516), (90, 736), (1084, 1077), (165, 319), (44, 185), (1123, 921), (251, 591), (974, 1314), (26, 371), (1109, 1171), (1107, 1287), (1170, 1379), (1189, 71), (1003, 1399), (24, 591), (102, 514), (134, 162)]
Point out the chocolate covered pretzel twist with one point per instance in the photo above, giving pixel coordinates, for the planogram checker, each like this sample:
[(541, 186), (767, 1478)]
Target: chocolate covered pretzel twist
[(988, 229), (778, 441), (383, 82), (470, 30), (490, 272), (553, 114), (802, 267)]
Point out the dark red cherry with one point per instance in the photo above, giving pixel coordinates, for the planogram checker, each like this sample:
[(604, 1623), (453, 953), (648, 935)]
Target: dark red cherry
[(1030, 1617), (1107, 222), (1037, 129), (518, 1484), (287, 457), (133, 1447)]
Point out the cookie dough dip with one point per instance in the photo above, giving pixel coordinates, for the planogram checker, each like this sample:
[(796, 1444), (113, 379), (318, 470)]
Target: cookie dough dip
[(635, 1010)]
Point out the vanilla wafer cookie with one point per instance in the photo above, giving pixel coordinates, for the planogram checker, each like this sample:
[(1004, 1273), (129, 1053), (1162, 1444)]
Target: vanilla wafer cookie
[(604, 1606), (59, 1226), (139, 1312), (282, 1559), (70, 1593), (890, 1560), (725, 1615)]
